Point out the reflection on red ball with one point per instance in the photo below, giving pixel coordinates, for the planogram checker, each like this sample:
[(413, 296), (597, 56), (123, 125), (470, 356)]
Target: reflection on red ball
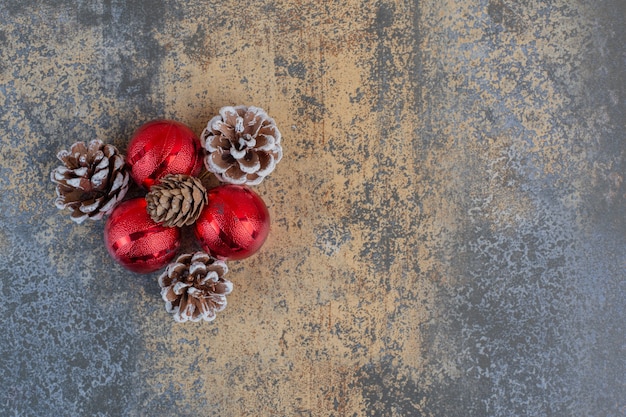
[(163, 147), (234, 224), (135, 241)]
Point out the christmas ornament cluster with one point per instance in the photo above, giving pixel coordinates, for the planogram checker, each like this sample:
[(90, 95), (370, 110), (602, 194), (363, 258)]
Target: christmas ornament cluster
[(240, 146)]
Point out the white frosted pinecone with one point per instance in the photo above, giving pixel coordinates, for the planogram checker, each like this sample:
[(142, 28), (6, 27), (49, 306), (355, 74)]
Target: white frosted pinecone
[(194, 287), (242, 145), (91, 181)]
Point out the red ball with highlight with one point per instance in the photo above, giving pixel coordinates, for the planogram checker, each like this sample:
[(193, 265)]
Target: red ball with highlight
[(234, 224), (163, 147), (135, 241)]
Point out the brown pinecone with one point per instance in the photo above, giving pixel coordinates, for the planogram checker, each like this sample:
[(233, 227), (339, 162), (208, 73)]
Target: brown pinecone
[(92, 179), (193, 287), (242, 145), (177, 200)]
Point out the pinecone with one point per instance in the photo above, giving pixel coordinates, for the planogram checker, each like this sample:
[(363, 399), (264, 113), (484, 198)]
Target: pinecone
[(92, 179), (177, 200), (193, 287), (242, 145)]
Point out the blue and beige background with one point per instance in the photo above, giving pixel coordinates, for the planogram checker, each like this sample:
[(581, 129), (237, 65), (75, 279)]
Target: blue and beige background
[(448, 234)]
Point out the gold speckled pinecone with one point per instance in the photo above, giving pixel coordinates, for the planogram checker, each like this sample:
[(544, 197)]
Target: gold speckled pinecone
[(91, 181), (177, 200), (193, 287), (242, 145)]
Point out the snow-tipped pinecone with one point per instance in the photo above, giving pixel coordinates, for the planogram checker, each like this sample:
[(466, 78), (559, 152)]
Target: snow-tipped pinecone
[(193, 287), (242, 145), (177, 200), (91, 181)]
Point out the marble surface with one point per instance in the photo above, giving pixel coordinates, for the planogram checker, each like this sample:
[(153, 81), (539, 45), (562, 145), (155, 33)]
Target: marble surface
[(448, 233)]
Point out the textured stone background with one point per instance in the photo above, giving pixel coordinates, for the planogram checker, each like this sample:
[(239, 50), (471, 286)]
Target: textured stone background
[(449, 234)]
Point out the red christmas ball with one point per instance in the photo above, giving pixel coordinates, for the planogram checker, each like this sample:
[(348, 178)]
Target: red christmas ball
[(234, 224), (135, 241), (163, 147)]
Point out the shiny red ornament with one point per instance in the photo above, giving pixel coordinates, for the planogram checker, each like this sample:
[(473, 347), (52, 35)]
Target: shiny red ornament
[(163, 147), (234, 224), (135, 241)]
